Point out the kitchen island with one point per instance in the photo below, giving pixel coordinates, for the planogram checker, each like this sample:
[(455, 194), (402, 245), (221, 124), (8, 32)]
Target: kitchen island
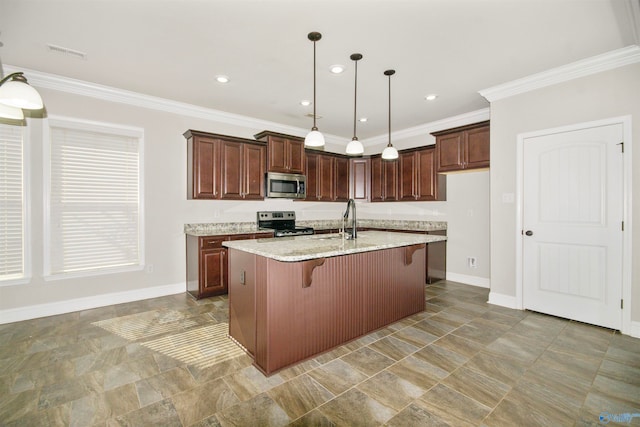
[(292, 298)]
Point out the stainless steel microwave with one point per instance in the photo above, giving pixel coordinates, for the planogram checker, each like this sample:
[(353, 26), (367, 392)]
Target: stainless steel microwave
[(286, 185)]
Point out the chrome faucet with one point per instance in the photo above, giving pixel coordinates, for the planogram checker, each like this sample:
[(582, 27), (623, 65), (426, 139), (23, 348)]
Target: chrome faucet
[(353, 234)]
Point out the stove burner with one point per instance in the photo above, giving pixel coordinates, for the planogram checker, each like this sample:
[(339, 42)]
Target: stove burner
[(283, 223)]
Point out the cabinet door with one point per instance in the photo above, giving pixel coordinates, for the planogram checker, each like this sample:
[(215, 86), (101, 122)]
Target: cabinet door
[(231, 168), (449, 154), (296, 156), (408, 176), (213, 272), (377, 180), (426, 177), (204, 178), (312, 174), (325, 178), (277, 152), (253, 171), (359, 172), (390, 180), (341, 179), (476, 148)]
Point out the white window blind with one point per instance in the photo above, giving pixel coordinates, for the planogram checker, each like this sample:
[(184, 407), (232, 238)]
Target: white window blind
[(12, 208), (94, 199)]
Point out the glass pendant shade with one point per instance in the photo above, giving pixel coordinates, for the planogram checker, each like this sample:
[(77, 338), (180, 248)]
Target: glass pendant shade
[(314, 139), (19, 94), (390, 153), (13, 113), (355, 148)]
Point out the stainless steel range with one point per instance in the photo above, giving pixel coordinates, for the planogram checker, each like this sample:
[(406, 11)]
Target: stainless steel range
[(283, 223)]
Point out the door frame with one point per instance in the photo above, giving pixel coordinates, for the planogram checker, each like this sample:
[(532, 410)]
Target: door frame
[(625, 121)]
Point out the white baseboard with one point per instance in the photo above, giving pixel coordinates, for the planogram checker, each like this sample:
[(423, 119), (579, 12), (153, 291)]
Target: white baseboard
[(469, 280), (634, 331), (86, 303), (503, 300)]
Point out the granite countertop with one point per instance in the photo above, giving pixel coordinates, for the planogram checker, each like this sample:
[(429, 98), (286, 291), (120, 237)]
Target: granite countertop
[(212, 229), (301, 248)]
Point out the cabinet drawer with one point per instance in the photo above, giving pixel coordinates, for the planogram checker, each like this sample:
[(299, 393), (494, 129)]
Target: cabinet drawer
[(240, 236), (212, 242)]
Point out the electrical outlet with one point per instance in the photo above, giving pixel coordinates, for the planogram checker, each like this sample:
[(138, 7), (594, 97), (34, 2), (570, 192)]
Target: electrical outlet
[(472, 262), (149, 268)]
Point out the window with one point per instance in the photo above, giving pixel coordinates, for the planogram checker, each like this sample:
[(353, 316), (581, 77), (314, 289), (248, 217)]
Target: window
[(93, 198), (13, 206)]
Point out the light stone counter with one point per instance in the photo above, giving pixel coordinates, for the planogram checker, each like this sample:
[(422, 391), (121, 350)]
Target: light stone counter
[(212, 229), (301, 248)]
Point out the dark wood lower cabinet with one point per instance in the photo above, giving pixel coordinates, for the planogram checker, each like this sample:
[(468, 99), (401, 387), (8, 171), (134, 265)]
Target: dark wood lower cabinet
[(208, 263)]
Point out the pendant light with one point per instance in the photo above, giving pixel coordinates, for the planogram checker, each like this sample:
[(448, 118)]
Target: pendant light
[(11, 113), (16, 92), (314, 138), (389, 153), (355, 148)]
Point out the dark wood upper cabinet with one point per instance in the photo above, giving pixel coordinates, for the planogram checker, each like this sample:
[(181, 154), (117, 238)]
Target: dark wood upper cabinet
[(224, 167), (341, 179), (462, 148), (418, 179), (327, 177), (312, 173), (408, 173), (476, 148), (203, 166), (284, 153), (253, 171), (360, 178), (242, 171), (384, 180)]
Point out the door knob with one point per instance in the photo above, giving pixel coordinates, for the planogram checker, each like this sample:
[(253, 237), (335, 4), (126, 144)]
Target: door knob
[(529, 233)]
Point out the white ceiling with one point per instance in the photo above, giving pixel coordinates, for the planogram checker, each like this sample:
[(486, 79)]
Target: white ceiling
[(173, 49)]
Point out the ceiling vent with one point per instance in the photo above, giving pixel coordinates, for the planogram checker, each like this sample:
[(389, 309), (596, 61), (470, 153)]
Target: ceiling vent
[(66, 51)]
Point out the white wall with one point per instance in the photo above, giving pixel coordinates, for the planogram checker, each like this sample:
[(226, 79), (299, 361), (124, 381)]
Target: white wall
[(608, 94), (167, 210)]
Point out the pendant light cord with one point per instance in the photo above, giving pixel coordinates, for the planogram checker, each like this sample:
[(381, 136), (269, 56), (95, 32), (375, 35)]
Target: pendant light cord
[(389, 144), (314, 86), (355, 102)]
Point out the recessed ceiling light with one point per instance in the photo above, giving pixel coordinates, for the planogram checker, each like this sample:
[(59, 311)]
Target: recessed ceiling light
[(305, 102), (362, 119), (431, 97), (337, 69), (222, 79)]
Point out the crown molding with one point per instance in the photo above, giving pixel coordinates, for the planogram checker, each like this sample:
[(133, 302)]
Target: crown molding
[(595, 64), (108, 93), (426, 129)]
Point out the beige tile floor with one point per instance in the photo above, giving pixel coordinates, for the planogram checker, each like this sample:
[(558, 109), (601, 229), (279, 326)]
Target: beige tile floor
[(462, 362)]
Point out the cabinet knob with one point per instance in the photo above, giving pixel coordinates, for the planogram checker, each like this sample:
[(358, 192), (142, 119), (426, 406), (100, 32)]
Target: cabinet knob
[(529, 233)]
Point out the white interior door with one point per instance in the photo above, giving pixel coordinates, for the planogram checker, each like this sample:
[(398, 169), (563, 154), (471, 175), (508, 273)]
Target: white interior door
[(572, 220)]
